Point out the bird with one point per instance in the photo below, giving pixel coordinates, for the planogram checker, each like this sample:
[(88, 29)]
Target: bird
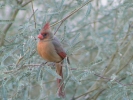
[(51, 50)]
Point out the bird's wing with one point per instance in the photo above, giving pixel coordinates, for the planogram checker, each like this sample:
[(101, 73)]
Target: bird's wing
[(58, 47)]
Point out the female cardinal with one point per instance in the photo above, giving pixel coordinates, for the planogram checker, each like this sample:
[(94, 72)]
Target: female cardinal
[(50, 49)]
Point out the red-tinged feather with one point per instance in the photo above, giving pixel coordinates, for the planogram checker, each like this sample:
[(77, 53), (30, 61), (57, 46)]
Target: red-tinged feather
[(46, 26), (61, 93), (62, 55), (60, 85)]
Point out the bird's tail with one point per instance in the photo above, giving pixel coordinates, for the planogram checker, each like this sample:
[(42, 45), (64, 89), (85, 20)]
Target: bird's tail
[(60, 83)]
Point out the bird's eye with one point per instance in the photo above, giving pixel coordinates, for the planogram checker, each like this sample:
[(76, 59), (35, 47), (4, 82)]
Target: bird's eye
[(44, 35)]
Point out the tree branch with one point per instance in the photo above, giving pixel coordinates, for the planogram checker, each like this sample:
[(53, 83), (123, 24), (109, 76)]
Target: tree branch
[(3, 35), (72, 13)]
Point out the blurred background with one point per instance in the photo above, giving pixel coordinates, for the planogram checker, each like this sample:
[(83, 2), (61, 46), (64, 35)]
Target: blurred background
[(96, 34)]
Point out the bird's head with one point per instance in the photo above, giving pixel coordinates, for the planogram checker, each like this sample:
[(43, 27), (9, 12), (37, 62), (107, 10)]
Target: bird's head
[(45, 32)]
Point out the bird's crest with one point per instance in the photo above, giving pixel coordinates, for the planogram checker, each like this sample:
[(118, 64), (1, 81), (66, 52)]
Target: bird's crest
[(46, 26)]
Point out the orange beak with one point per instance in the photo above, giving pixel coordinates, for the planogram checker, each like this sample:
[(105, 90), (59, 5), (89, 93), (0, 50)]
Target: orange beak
[(40, 36)]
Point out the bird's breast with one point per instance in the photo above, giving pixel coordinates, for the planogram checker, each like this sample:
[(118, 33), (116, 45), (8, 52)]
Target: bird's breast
[(47, 51)]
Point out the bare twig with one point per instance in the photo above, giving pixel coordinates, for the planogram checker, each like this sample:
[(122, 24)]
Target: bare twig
[(124, 66), (33, 13), (85, 93), (49, 82), (24, 4), (58, 27), (23, 66), (72, 13), (96, 95)]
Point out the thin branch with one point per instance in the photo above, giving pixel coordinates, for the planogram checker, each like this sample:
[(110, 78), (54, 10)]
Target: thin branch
[(72, 13), (116, 80), (85, 93), (97, 95), (124, 66), (33, 13), (58, 27), (83, 26), (23, 66), (49, 82), (75, 90), (26, 3)]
